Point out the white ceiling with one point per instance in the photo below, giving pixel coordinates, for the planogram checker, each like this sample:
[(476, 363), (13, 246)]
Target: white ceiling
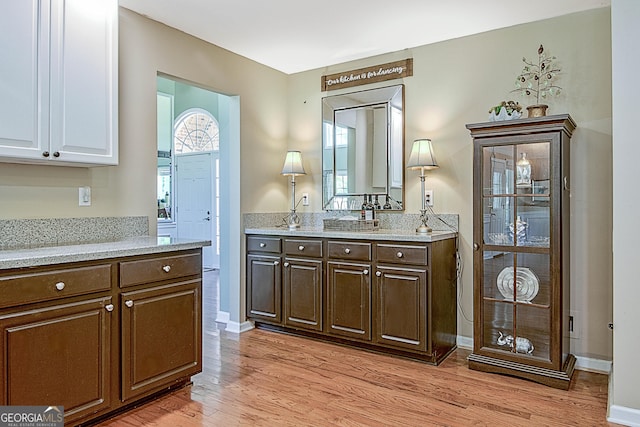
[(300, 35)]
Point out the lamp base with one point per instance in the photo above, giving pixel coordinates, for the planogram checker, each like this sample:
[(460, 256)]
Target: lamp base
[(423, 229), (293, 221)]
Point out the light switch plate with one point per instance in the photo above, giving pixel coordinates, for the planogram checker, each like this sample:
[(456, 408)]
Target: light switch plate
[(84, 196)]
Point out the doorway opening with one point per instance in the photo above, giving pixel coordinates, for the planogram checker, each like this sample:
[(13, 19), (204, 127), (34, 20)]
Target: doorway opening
[(198, 172)]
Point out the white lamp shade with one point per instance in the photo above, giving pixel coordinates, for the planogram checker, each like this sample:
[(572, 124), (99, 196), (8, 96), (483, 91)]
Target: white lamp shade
[(293, 164), (421, 156)]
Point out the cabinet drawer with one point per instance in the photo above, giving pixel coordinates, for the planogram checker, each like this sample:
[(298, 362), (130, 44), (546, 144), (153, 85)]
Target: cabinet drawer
[(303, 247), (48, 285), (263, 244), (403, 254), (349, 250), (161, 268)]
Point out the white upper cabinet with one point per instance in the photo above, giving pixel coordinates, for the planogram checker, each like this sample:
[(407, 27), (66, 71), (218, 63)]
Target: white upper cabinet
[(58, 81)]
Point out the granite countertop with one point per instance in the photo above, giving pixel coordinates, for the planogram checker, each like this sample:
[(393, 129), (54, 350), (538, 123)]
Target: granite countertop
[(382, 234), (16, 257)]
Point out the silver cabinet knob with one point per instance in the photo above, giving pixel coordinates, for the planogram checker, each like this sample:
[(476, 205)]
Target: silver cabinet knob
[(301, 248), (378, 273), (263, 245), (286, 264), (365, 271), (347, 251), (276, 262), (399, 254), (56, 154), (109, 307), (167, 268), (60, 286), (476, 246), (128, 303), (45, 154)]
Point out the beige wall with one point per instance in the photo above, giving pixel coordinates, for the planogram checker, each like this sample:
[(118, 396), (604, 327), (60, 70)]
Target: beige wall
[(456, 82)]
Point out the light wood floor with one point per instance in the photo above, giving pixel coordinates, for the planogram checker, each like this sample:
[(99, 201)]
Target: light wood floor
[(263, 378)]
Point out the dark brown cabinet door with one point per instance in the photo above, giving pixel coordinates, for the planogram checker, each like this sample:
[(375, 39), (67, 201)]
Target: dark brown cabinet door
[(349, 300), (161, 336), (264, 288), (60, 355), (303, 293), (401, 301)]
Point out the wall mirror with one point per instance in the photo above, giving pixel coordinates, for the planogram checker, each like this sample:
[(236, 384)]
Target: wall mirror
[(363, 149)]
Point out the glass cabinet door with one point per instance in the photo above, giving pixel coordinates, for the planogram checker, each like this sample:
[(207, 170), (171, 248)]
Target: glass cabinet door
[(516, 231)]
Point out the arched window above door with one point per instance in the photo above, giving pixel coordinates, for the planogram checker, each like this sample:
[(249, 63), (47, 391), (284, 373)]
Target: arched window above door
[(196, 130)]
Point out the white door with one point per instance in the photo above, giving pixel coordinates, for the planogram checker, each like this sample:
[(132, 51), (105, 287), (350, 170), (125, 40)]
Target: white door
[(195, 201)]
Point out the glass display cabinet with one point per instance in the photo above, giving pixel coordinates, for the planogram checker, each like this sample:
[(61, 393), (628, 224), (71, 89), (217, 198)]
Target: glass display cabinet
[(521, 249)]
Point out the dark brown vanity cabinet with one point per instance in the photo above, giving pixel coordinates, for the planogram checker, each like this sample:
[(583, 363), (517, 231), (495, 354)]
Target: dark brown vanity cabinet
[(303, 278), (264, 279), (395, 297), (349, 289), (401, 296), (521, 249)]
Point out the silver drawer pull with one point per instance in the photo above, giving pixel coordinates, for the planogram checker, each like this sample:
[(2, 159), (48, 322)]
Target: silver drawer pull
[(378, 273), (128, 303), (286, 264), (301, 248), (60, 286), (167, 268), (263, 245), (347, 251), (399, 254), (109, 307), (365, 271), (276, 262)]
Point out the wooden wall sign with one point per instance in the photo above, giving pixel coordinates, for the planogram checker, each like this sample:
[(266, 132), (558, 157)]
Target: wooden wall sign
[(374, 74)]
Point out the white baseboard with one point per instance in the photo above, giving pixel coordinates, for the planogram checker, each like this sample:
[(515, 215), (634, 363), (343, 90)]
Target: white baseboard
[(222, 317), (593, 365), (238, 328), (582, 363), (464, 342), (623, 415), (233, 327)]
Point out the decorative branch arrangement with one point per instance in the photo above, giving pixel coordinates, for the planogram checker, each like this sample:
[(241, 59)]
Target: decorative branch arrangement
[(537, 79)]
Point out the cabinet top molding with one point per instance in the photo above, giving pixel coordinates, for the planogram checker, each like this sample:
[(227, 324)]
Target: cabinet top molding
[(523, 126)]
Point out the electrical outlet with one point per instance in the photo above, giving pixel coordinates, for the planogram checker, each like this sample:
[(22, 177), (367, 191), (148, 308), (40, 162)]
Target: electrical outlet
[(428, 197), (574, 324), (305, 199)]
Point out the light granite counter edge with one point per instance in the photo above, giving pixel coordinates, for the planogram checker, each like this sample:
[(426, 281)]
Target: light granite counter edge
[(32, 257), (382, 234)]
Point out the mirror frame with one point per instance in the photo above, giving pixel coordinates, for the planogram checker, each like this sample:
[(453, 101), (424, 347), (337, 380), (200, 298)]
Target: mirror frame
[(331, 105)]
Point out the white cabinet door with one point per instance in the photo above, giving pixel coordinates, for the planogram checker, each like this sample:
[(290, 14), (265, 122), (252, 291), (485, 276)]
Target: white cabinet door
[(58, 80), (23, 79), (84, 81)]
